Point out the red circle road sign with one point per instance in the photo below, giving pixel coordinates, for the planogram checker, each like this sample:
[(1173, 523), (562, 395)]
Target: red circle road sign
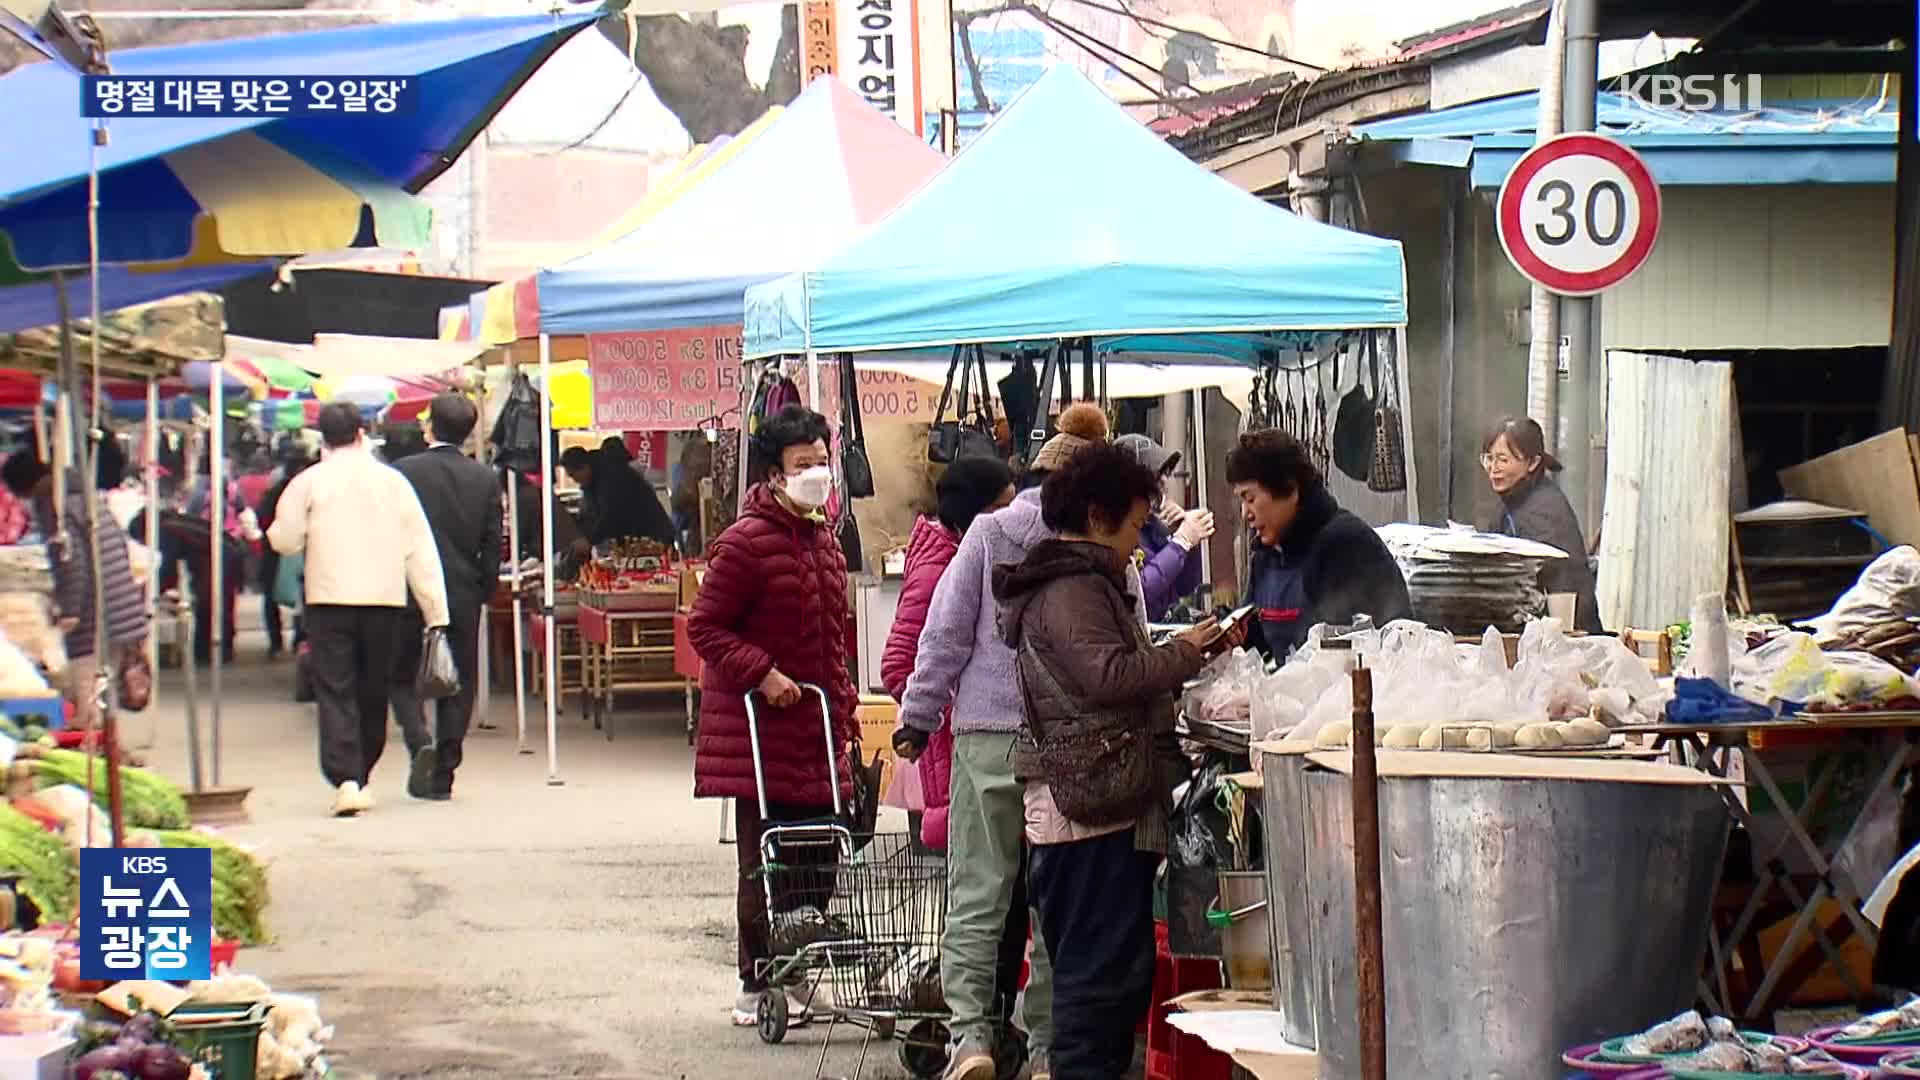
[(1579, 213)]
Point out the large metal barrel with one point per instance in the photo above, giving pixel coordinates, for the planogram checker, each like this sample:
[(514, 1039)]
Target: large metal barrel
[(1521, 916), (1290, 915)]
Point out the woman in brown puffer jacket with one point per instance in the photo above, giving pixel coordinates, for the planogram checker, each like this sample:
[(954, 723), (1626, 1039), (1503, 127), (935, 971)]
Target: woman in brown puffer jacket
[(1097, 751)]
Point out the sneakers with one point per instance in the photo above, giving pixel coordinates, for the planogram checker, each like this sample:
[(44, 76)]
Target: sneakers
[(746, 1008), (420, 776), (349, 800), (972, 1060)]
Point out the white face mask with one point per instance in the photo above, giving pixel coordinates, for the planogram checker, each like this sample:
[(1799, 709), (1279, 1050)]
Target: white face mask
[(811, 487)]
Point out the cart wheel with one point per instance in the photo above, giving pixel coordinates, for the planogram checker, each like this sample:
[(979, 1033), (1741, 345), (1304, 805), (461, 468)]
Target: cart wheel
[(773, 1016), (924, 1052)]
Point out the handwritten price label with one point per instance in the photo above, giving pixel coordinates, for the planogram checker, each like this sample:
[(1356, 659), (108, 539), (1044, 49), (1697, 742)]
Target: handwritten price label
[(665, 380)]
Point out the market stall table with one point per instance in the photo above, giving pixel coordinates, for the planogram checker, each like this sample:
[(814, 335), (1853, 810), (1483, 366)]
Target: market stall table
[(571, 659), (1710, 747), (628, 650)]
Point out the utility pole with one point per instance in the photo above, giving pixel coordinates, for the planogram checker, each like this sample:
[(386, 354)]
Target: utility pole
[(1580, 315)]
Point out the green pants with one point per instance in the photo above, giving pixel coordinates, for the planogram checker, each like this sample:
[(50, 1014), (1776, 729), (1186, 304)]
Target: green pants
[(986, 835)]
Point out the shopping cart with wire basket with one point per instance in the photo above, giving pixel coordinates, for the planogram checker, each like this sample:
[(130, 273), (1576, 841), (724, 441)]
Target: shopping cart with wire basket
[(859, 917)]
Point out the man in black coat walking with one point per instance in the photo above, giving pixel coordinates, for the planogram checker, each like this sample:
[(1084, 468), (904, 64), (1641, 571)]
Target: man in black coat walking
[(462, 501)]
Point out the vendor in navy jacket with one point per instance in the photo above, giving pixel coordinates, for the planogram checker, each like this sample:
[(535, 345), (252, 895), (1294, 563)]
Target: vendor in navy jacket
[(1311, 562)]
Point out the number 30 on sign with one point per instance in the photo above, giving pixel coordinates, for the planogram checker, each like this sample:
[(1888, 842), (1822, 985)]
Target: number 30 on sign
[(1579, 214)]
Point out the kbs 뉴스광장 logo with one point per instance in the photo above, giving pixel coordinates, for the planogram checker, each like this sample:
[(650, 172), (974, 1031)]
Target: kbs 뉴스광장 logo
[(146, 913)]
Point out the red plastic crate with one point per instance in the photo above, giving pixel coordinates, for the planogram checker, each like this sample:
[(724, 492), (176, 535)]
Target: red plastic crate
[(1171, 1054)]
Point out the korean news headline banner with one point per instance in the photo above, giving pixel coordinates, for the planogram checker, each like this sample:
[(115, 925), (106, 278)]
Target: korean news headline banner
[(674, 380), (146, 913), (242, 95)]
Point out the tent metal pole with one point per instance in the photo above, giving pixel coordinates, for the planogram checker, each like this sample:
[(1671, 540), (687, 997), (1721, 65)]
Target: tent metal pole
[(152, 515), (546, 562), (519, 615), (216, 543), (1200, 481)]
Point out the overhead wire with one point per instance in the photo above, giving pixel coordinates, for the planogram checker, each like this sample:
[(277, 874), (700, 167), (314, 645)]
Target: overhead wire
[(1144, 20)]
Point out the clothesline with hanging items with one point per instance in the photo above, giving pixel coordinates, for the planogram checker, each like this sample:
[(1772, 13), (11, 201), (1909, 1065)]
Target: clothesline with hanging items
[(1365, 441)]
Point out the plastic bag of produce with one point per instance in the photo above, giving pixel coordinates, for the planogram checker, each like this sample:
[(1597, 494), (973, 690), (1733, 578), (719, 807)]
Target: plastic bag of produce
[(1854, 679), (19, 678), (1888, 589), (1334, 705)]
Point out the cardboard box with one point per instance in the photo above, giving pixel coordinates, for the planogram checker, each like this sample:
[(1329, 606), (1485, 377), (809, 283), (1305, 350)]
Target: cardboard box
[(34, 1057)]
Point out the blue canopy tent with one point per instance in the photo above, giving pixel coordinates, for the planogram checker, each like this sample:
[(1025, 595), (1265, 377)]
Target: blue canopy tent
[(1040, 230), (823, 171), (1067, 219)]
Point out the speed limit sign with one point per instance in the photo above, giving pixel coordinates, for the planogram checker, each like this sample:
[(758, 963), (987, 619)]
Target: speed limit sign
[(1579, 213)]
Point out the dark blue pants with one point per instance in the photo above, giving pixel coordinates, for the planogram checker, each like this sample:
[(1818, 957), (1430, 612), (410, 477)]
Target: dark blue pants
[(1095, 899)]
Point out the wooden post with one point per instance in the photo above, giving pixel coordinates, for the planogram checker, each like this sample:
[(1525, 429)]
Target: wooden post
[(1366, 876)]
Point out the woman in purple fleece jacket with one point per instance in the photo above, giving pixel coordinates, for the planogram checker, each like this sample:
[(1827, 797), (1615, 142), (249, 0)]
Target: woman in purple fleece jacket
[(1172, 537), (963, 661)]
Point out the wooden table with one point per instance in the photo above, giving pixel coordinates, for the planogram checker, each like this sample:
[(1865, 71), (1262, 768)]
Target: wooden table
[(628, 651), (1711, 748)]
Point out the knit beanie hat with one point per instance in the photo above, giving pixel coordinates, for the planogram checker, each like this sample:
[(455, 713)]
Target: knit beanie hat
[(1082, 425)]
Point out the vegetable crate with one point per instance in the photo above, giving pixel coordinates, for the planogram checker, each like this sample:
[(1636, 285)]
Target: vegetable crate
[(222, 1039)]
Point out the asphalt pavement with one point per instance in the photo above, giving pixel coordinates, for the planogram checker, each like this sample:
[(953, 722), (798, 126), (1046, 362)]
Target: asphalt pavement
[(523, 929)]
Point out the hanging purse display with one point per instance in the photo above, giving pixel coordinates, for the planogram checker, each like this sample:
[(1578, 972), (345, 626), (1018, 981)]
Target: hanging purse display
[(1389, 471), (856, 469), (950, 440), (1353, 421)]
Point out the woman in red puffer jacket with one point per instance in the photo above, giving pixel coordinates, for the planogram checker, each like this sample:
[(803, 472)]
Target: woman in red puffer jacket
[(772, 614), (970, 487)]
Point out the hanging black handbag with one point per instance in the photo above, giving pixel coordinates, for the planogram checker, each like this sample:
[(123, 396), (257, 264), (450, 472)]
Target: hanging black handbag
[(1389, 471), (950, 440), (516, 434), (856, 469), (1020, 398), (1353, 423)]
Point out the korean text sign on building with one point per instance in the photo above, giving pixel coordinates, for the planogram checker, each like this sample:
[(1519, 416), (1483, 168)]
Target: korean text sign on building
[(872, 46), (146, 913)]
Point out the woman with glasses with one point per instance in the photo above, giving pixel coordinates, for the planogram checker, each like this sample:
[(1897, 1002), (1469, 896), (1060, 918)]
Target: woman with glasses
[(1533, 507)]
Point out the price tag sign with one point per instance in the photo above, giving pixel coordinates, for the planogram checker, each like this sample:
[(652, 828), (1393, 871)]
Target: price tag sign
[(1579, 214), (146, 913)]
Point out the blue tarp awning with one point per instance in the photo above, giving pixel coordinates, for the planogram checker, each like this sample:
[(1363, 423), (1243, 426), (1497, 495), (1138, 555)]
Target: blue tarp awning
[(23, 307), (463, 71), (1808, 143), (1069, 218)]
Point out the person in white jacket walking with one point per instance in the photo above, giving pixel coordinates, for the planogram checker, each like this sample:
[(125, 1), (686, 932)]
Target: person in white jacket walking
[(367, 544)]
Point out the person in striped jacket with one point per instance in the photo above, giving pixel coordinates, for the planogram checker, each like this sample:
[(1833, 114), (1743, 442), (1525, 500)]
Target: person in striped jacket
[(70, 550)]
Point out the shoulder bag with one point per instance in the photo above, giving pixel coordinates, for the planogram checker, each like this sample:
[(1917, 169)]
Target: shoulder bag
[(1100, 768), (950, 440), (856, 469), (1389, 472)]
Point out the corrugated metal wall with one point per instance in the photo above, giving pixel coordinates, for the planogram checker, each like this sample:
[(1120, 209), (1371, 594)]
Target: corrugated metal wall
[(1664, 534), (1761, 267)]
